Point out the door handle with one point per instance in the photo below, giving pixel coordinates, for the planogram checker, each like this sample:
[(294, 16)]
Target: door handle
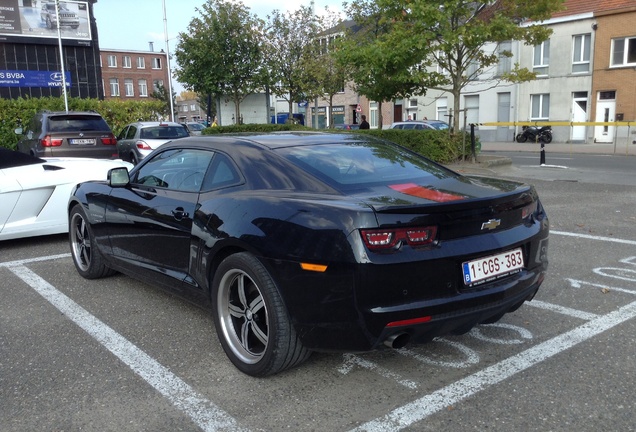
[(179, 213)]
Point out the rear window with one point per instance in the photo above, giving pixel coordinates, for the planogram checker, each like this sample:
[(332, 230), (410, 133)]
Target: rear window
[(351, 166), (65, 123), (163, 132)]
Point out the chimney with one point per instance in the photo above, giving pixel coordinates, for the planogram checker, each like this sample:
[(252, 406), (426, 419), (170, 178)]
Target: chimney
[(152, 46)]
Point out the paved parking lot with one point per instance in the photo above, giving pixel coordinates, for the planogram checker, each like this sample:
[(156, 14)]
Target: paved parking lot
[(116, 354)]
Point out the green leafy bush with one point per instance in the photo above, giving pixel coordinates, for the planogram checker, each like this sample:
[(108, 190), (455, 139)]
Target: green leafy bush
[(118, 113)]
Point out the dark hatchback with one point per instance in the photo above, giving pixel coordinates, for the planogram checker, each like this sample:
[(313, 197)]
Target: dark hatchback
[(314, 242)]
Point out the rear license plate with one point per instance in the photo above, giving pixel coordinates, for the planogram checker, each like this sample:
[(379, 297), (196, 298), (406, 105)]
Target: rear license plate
[(83, 141), (492, 267)]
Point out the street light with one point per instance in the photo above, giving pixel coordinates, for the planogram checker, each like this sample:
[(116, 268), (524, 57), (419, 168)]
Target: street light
[(165, 33)]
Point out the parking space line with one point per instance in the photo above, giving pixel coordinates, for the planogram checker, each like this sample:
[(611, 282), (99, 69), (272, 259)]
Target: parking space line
[(587, 316), (591, 237), (200, 410), (443, 398)]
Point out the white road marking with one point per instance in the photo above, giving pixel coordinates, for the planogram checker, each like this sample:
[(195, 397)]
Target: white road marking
[(579, 283), (443, 398), (561, 309), (352, 360), (477, 333), (591, 237), (472, 358), (201, 411)]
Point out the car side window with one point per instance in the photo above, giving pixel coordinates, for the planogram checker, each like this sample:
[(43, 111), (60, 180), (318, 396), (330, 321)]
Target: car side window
[(130, 134), (176, 169), (222, 173)]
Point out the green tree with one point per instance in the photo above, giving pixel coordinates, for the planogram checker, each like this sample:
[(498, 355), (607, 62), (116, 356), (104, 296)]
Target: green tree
[(161, 94), (221, 52), (289, 36), (382, 66), (460, 37)]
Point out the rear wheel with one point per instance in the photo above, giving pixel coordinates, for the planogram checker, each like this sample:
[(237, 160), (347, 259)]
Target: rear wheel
[(546, 138), (251, 321), (86, 257), (134, 159)]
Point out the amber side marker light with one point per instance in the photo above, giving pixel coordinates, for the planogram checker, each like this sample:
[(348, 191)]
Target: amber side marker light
[(313, 267)]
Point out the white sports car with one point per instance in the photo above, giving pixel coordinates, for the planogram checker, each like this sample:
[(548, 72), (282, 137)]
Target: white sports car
[(34, 192)]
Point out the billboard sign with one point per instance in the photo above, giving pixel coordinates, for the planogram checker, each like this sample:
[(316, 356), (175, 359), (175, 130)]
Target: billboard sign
[(20, 78), (39, 19)]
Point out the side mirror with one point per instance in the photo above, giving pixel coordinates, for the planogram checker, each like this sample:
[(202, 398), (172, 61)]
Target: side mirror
[(118, 177), (18, 131)]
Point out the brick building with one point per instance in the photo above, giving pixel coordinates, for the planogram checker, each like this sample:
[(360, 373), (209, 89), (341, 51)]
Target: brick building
[(133, 75)]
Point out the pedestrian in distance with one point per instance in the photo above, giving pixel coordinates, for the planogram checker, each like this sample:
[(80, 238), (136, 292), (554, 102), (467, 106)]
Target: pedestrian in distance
[(364, 124)]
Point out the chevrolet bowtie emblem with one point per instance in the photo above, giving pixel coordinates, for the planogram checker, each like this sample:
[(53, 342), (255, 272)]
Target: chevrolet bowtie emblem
[(491, 224)]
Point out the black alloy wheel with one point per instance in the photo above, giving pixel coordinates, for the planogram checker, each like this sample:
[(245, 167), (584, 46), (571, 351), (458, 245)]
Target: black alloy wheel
[(87, 259)]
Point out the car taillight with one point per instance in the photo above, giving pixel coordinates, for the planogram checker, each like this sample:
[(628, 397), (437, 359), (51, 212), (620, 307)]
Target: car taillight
[(109, 140), (141, 145), (376, 239), (529, 210), (47, 141)]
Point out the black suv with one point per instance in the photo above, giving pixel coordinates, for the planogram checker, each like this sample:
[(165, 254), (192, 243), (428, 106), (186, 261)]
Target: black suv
[(74, 134)]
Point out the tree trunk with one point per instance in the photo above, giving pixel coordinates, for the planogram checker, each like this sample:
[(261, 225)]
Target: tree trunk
[(380, 119)]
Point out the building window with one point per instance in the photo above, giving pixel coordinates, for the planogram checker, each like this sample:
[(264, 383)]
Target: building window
[(540, 107), (143, 88), (156, 84), (193, 107), (129, 87), (624, 52), (373, 115), (114, 87), (156, 63), (441, 106), (112, 61), (141, 63), (541, 58), (581, 53), (504, 52), (126, 62)]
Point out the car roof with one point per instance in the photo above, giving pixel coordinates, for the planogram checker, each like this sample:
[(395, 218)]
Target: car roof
[(270, 140), (157, 123)]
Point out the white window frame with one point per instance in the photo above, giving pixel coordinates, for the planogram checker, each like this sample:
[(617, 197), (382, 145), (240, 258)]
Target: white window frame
[(142, 85), (126, 62), (619, 57), (156, 62), (504, 64), (441, 109), (114, 87), (156, 83), (141, 62), (373, 115), (542, 51), (581, 55), (542, 103), (129, 87), (112, 61)]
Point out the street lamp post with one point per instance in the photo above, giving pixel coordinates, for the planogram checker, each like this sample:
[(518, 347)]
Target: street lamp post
[(165, 33), (59, 42)]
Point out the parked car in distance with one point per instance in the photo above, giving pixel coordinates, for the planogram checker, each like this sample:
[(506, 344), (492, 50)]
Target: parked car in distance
[(48, 15), (302, 242), (68, 134), (194, 128), (34, 192), (420, 125), (347, 126), (137, 140)]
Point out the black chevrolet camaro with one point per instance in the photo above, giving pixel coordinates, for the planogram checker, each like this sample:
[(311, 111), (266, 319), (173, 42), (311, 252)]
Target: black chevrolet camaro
[(306, 242)]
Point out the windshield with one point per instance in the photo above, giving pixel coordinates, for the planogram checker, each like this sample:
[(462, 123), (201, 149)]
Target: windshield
[(364, 164), (196, 126)]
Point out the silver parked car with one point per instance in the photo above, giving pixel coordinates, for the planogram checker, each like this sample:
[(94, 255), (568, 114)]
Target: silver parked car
[(421, 125), (137, 140)]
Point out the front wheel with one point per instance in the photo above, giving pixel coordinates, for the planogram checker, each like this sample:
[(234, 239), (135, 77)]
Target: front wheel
[(87, 259), (251, 321), (521, 138)]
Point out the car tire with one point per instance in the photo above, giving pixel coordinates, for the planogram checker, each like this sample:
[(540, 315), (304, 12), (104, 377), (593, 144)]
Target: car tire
[(49, 23), (134, 159), (251, 320), (88, 261)]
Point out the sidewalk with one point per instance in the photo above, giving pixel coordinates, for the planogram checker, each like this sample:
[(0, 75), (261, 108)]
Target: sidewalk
[(554, 147)]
